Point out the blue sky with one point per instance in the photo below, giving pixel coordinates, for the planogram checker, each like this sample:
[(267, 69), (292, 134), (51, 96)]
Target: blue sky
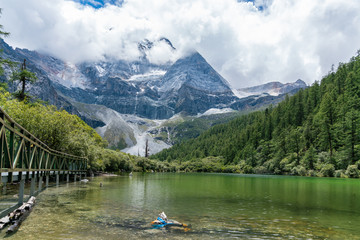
[(99, 3)]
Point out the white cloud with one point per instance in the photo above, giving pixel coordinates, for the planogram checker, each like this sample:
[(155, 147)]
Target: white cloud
[(290, 39), (161, 53)]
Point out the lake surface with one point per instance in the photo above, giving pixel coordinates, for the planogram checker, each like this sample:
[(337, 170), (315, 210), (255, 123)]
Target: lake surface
[(214, 205)]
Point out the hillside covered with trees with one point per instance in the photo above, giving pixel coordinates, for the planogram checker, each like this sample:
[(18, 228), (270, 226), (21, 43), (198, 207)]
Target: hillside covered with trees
[(314, 132)]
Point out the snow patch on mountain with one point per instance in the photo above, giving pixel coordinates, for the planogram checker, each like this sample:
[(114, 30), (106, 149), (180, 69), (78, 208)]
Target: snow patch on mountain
[(70, 76), (272, 88), (212, 111), (151, 75), (100, 70), (243, 94), (154, 145)]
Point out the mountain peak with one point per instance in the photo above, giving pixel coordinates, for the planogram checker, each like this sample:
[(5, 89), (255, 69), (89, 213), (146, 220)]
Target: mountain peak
[(300, 82), (193, 71), (146, 44)]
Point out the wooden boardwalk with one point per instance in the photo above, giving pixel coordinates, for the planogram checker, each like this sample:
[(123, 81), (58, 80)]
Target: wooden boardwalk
[(23, 157)]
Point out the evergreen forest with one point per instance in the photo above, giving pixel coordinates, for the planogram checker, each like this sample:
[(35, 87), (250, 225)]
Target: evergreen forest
[(315, 132)]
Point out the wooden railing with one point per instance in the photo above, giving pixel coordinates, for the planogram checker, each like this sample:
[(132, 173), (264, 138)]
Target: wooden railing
[(21, 151)]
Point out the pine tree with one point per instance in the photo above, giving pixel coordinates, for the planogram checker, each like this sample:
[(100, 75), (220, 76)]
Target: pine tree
[(326, 118), (23, 76)]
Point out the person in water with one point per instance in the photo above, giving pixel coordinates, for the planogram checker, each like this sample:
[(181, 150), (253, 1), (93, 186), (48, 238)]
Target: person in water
[(162, 219)]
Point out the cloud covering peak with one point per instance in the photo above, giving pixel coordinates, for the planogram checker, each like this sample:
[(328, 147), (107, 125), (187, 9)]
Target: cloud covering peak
[(248, 42)]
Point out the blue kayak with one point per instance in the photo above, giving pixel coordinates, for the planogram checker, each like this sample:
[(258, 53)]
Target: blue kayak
[(159, 223)]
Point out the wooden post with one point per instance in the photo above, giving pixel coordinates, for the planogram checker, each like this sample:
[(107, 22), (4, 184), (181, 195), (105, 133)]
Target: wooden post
[(21, 191), (75, 177), (47, 180), (67, 177), (40, 183), (4, 188), (11, 149), (10, 177), (57, 179), (32, 186), (27, 176), (20, 176)]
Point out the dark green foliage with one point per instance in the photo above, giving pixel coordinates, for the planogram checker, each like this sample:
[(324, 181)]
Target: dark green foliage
[(315, 131), (24, 76)]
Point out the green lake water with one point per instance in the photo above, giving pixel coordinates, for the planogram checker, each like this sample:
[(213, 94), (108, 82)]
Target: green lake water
[(215, 206)]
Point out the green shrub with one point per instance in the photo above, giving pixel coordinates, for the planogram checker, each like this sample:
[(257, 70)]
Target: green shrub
[(260, 170), (298, 170), (323, 157), (326, 170), (287, 164), (352, 171), (340, 173), (247, 169), (311, 173), (358, 164)]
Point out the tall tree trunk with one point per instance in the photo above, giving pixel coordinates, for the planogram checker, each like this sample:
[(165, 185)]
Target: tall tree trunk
[(147, 148), (23, 80)]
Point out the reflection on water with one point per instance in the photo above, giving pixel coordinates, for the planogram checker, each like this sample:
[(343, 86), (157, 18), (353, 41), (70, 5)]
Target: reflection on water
[(214, 205)]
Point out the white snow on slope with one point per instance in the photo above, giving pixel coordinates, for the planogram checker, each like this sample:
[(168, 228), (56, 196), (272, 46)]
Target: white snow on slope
[(243, 94), (212, 111), (70, 77), (100, 70), (141, 134), (147, 76)]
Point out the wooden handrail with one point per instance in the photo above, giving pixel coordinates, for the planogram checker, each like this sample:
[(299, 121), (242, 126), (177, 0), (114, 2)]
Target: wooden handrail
[(15, 128)]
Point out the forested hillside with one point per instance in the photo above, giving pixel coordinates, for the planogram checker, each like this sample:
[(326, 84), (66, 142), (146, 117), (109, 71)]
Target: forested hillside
[(314, 132)]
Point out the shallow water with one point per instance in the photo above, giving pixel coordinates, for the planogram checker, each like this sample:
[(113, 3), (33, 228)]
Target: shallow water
[(214, 205)]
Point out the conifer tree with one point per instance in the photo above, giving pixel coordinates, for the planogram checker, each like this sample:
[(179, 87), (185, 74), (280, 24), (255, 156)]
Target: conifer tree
[(23, 76)]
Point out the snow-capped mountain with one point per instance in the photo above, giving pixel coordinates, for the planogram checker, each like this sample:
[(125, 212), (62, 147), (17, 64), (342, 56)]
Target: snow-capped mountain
[(126, 100), (191, 85), (272, 88)]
